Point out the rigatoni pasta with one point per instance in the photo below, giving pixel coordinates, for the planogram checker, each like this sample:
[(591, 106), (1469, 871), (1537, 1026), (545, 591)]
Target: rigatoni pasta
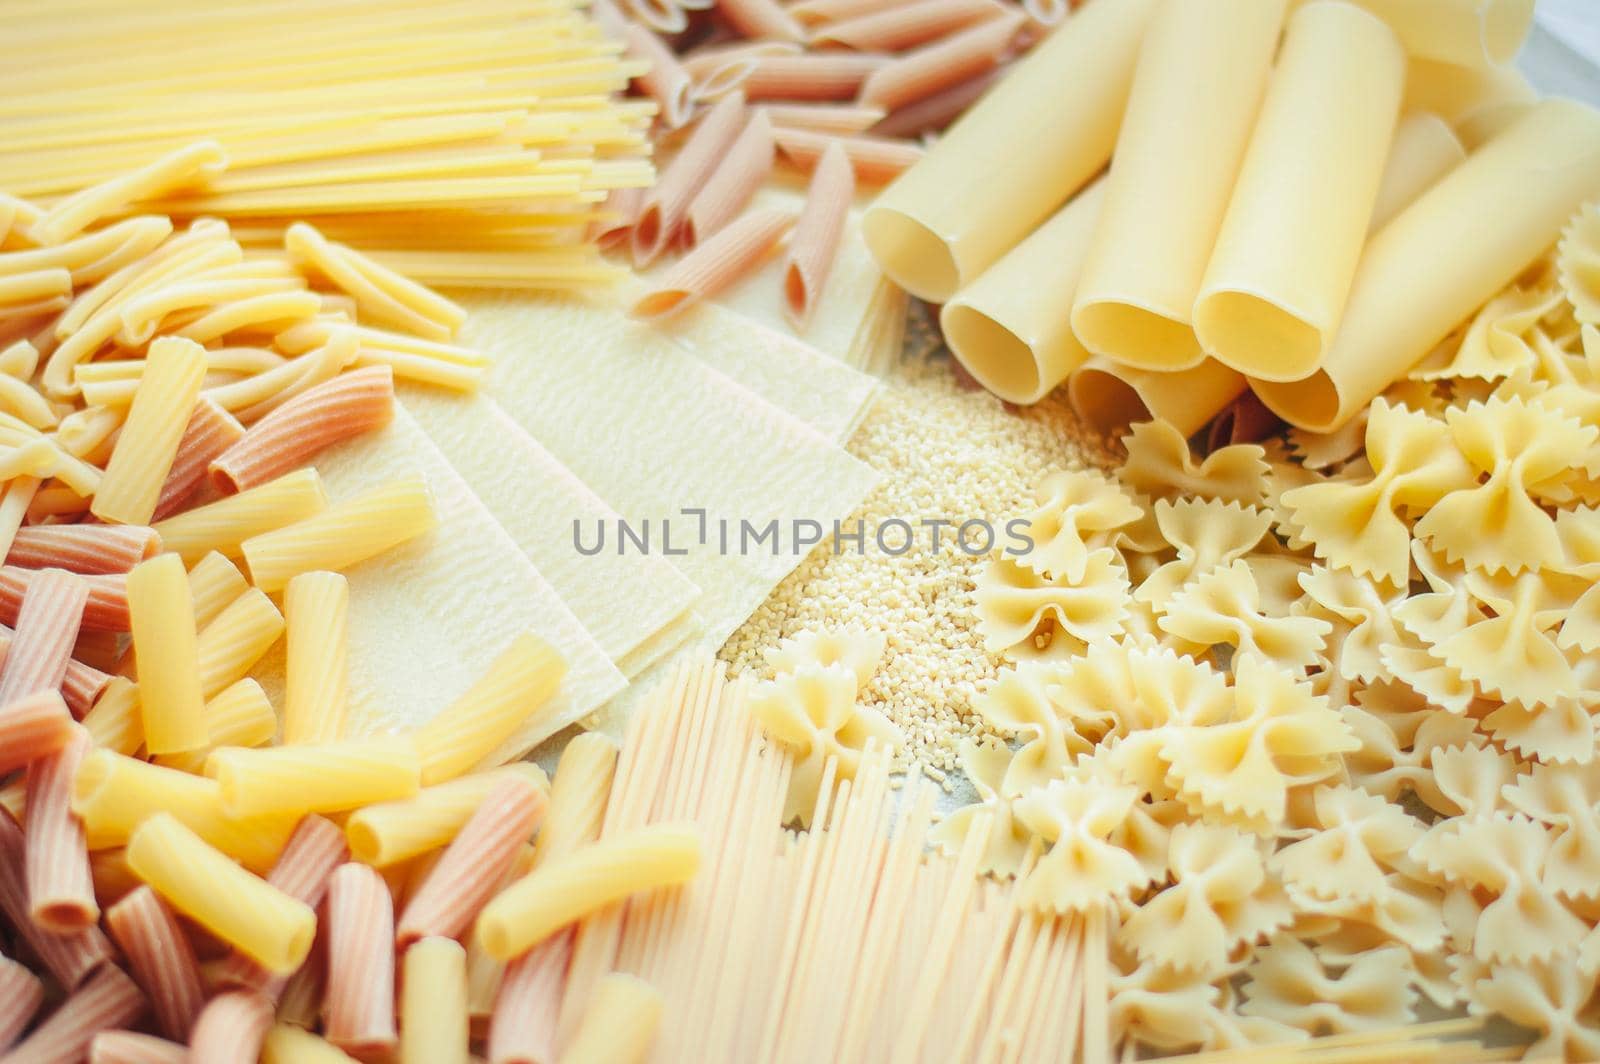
[(107, 1000), (386, 833), (343, 535), (620, 1023), (235, 640), (224, 525), (434, 1028), (210, 433), (238, 715), (288, 781), (231, 1028), (359, 1007), (60, 889), (32, 728), (83, 548), (316, 607), (47, 626), (145, 450), (214, 583), (161, 958), (21, 994), (165, 646)]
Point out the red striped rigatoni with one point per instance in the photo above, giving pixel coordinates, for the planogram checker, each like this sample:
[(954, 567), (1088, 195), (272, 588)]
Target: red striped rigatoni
[(108, 999), (47, 627), (105, 611), (161, 958), (473, 865), (231, 1028), (80, 687), (358, 1009), (32, 728), (211, 431), (87, 549), (21, 994), (350, 404), (60, 888), (815, 243), (523, 1027), (68, 958), (129, 1047)]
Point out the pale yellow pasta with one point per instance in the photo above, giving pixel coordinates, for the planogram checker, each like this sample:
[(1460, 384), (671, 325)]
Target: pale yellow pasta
[(288, 1044), (236, 639), (343, 535), (433, 1003), (386, 833), (578, 796), (258, 919), (224, 525), (1202, 72), (165, 648), (1425, 148), (175, 369), (1110, 396), (1288, 983), (1469, 33), (1277, 279), (239, 715), (114, 722), (619, 1023), (1025, 613), (382, 295), (1075, 513), (1082, 867), (82, 209), (1207, 534), (858, 650), (1160, 465), (314, 778), (995, 175), (316, 606), (214, 583)]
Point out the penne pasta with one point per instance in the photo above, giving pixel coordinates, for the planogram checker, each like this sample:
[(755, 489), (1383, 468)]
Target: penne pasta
[(160, 958), (813, 76), (316, 606), (68, 958), (145, 450), (288, 1044), (130, 1047), (81, 210), (842, 118), (826, 12), (720, 69), (211, 432), (240, 636), (382, 295), (433, 1005), (528, 1006), (731, 186), (343, 535), (115, 720), (241, 909), (761, 20), (715, 265), (873, 160), (815, 244), (232, 1028), (214, 584), (314, 778), (47, 627), (667, 204), (60, 889), (905, 26), (108, 999), (936, 67), (21, 994), (664, 80), (621, 210), (238, 715), (83, 548), (33, 728), (619, 1024), (82, 685), (224, 525), (358, 1011), (166, 648)]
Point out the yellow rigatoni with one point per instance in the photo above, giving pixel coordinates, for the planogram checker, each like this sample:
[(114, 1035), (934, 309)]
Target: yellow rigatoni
[(214, 583), (390, 832), (619, 1024), (240, 715), (165, 647), (261, 921), (224, 525), (115, 723), (288, 1044), (344, 534), (578, 796), (236, 640), (320, 778), (317, 607), (521, 680), (175, 370), (433, 1004)]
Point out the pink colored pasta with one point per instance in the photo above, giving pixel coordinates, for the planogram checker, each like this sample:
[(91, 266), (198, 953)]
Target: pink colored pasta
[(350, 404), (958, 58), (68, 958), (827, 12), (358, 1009), (664, 81), (82, 686), (897, 28), (211, 431), (721, 69), (106, 1001), (231, 1028), (128, 1047), (33, 728), (473, 865), (47, 627), (666, 205), (734, 182), (816, 235), (824, 117), (161, 959), (934, 113), (761, 19), (105, 611), (715, 265), (300, 1000), (21, 994), (523, 1027), (874, 160), (83, 548), (814, 76), (60, 888), (622, 207)]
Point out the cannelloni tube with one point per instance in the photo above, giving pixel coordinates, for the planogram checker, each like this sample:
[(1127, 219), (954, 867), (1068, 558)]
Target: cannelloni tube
[(1425, 148), (1469, 32), (1109, 395)]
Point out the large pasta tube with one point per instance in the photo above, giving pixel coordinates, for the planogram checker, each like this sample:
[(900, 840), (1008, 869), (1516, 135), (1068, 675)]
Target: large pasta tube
[(1109, 395), (1469, 32), (1425, 148), (1017, 155), (1446, 255), (1201, 75), (1289, 244), (1006, 327)]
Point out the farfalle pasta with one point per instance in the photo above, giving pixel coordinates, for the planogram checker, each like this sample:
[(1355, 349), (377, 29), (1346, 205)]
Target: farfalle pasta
[(1578, 263), (1359, 611), (1289, 983), (1024, 613), (1082, 868), (1207, 534), (1554, 998), (1566, 799), (1075, 513), (1021, 702), (857, 650), (1354, 841), (1499, 342), (1160, 465), (1225, 606), (986, 765)]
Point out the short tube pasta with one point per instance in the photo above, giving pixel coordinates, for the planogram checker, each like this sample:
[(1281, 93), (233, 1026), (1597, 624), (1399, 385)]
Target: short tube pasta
[(666, 205), (359, 1008), (288, 1044), (1109, 395), (224, 525), (31, 728), (715, 265), (873, 160), (815, 243), (1002, 169), (114, 720), (60, 888), (316, 606), (1281, 269), (1425, 148), (83, 548), (1465, 32), (936, 67), (527, 1004), (214, 583), (433, 1004), (107, 1000), (235, 640), (165, 646), (738, 174), (106, 609), (130, 1047), (349, 532), (144, 453), (231, 1028), (239, 715), (210, 433), (21, 994), (287, 781), (161, 958), (68, 958), (578, 796), (386, 833), (47, 626), (619, 1024)]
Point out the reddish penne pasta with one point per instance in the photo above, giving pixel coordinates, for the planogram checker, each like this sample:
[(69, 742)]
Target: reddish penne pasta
[(707, 61), (734, 182), (356, 402), (82, 686), (665, 81), (898, 28), (761, 20), (663, 16), (47, 627), (211, 431), (824, 117), (522, 1029), (107, 1000), (622, 207), (936, 112), (32, 728), (106, 609), (231, 1028), (60, 889), (358, 1009), (68, 958), (21, 994), (934, 68), (1046, 12), (815, 243), (161, 959), (83, 548), (874, 160), (814, 76), (715, 265), (473, 865), (826, 12), (129, 1047), (300, 999), (667, 204)]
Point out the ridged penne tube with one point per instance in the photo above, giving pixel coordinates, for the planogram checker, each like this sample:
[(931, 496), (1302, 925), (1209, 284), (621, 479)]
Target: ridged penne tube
[(1471, 33), (1424, 149), (1006, 327), (106, 609), (1519, 190), (473, 865), (47, 627), (288, 1044), (358, 1011), (148, 444), (199, 881), (761, 20), (838, 118), (83, 548), (344, 534), (82, 209), (232, 1028), (161, 959), (665, 82), (1281, 269), (356, 402), (1112, 396), (514, 688), (905, 25), (238, 715), (387, 833), (68, 958), (165, 647), (578, 796), (21, 994), (214, 584), (1202, 72), (621, 210), (815, 243), (114, 721), (93, 256), (130, 1047), (729, 188), (60, 888), (314, 778), (224, 525), (718, 263), (810, 76), (719, 70), (115, 793), (619, 1024), (971, 199), (32, 728), (560, 891), (667, 204), (231, 644), (433, 1004), (527, 1008), (383, 296), (935, 67), (107, 1000), (316, 607), (210, 433)]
